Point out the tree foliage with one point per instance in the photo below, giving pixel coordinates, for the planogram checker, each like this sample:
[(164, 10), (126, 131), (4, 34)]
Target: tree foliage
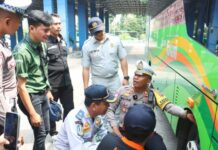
[(131, 24)]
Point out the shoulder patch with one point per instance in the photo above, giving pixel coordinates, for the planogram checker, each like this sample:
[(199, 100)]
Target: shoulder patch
[(161, 100), (86, 127), (80, 114), (79, 128)]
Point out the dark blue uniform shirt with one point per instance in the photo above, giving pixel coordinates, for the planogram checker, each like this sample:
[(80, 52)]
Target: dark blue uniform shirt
[(111, 142)]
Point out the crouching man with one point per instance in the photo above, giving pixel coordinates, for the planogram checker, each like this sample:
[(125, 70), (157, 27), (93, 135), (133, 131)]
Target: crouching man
[(83, 128)]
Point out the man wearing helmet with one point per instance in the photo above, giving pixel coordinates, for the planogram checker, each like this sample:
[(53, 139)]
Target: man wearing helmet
[(140, 93), (139, 132)]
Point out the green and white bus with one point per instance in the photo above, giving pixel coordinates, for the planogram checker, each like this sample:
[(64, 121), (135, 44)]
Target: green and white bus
[(182, 46)]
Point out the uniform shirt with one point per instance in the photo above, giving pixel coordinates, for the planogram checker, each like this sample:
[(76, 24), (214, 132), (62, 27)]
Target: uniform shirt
[(126, 97), (8, 87), (112, 142), (103, 57), (58, 71), (31, 63), (79, 131)]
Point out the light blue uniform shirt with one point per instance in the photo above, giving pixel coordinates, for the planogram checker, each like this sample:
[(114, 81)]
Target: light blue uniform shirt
[(103, 57), (79, 131)]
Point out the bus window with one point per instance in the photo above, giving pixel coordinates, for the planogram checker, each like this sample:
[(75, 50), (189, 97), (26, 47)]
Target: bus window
[(200, 22), (196, 20)]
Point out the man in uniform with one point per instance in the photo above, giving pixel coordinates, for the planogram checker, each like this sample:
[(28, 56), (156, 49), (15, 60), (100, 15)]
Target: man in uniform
[(139, 93), (101, 53), (83, 128), (33, 85), (139, 132), (11, 13), (58, 71)]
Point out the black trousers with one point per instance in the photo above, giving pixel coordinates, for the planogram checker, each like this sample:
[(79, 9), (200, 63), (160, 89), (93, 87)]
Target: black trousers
[(65, 95)]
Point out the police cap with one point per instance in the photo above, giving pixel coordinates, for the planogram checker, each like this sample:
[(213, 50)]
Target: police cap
[(15, 6), (95, 93), (95, 24), (143, 68)]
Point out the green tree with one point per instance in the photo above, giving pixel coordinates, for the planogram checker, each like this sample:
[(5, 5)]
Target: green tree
[(132, 24), (125, 36)]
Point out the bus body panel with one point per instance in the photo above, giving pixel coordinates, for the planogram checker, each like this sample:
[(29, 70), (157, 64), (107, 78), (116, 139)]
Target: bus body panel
[(185, 70)]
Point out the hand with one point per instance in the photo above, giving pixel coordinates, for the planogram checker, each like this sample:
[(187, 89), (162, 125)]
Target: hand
[(49, 95), (35, 120), (3, 140), (125, 82), (190, 117), (117, 132)]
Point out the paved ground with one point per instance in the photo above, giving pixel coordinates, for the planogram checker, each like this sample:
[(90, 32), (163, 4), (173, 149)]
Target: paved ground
[(135, 51)]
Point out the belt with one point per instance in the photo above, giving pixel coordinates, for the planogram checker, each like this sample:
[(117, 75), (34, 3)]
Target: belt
[(40, 92), (103, 77)]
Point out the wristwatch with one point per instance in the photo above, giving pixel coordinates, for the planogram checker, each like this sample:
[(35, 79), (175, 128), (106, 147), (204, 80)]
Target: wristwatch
[(126, 78)]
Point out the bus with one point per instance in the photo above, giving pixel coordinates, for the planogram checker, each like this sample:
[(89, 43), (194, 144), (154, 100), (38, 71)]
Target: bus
[(182, 49)]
